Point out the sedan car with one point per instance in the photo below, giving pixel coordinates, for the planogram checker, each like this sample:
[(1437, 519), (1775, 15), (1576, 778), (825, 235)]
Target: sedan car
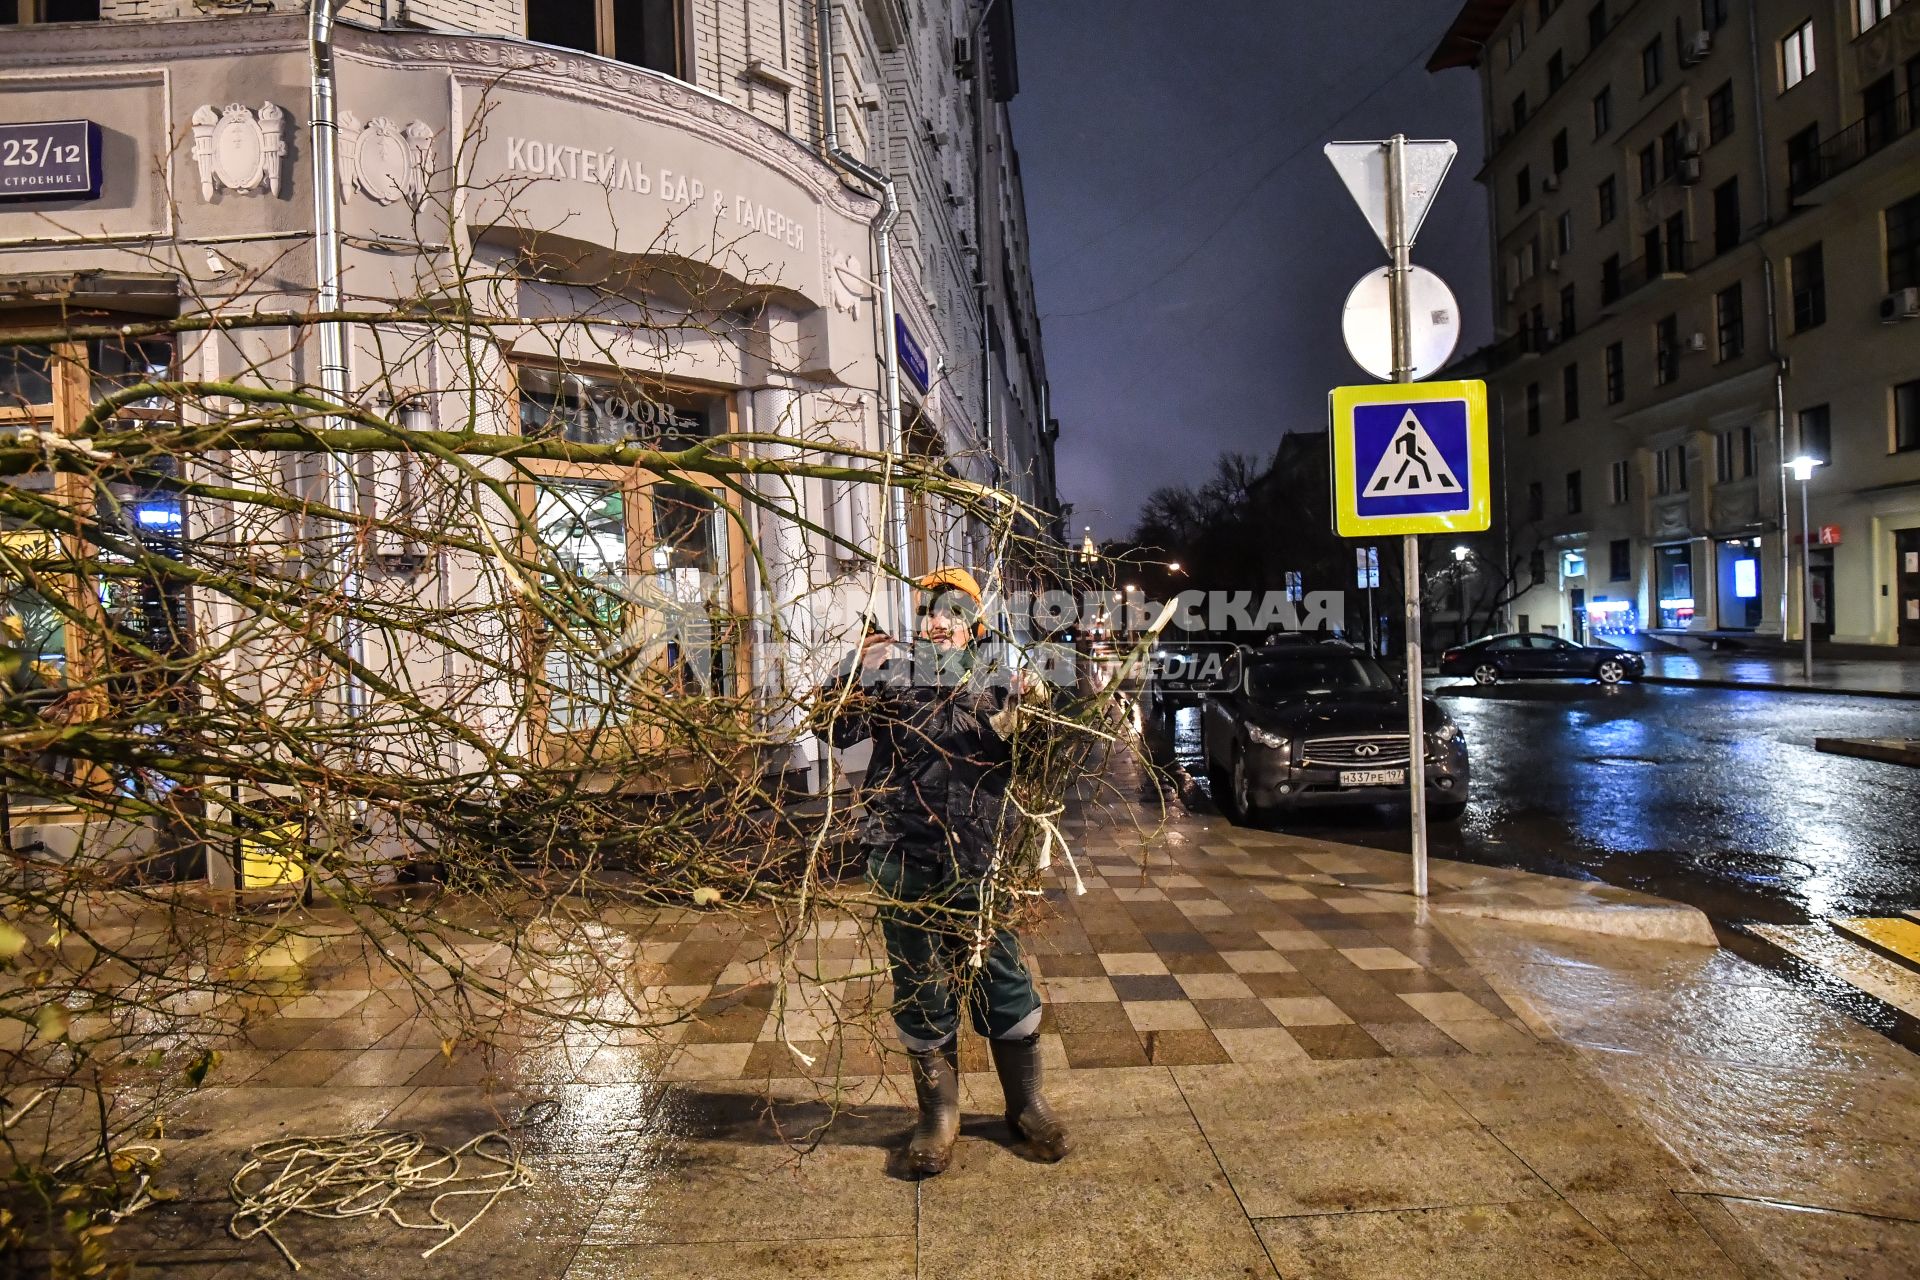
[(1320, 725), (1521, 656)]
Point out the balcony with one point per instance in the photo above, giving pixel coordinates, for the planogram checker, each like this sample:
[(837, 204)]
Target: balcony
[(1872, 133), (1531, 340), (1672, 262)]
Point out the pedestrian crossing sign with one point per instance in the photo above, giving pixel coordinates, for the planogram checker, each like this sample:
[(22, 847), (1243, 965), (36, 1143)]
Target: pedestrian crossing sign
[(1410, 458)]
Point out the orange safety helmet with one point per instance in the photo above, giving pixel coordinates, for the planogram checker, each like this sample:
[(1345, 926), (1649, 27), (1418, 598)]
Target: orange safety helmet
[(955, 578)]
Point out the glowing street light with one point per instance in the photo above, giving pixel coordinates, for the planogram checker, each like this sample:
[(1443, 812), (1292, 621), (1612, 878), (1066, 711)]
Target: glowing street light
[(1801, 469)]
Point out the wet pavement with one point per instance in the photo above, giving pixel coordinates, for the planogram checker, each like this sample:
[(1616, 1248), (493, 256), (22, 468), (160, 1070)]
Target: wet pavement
[(1714, 797), (1880, 677), (1273, 1060)]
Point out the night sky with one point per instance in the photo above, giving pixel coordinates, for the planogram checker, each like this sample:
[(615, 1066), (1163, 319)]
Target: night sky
[(1191, 246)]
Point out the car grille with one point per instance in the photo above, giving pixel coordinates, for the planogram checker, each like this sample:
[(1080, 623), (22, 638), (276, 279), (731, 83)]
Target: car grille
[(1360, 752)]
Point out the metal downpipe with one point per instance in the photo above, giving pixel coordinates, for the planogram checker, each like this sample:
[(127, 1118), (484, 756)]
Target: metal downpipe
[(896, 520)]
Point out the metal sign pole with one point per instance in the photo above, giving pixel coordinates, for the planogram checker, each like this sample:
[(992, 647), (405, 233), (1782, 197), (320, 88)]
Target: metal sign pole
[(1400, 244)]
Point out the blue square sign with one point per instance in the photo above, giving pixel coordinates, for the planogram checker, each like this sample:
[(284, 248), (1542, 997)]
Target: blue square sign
[(1410, 458)]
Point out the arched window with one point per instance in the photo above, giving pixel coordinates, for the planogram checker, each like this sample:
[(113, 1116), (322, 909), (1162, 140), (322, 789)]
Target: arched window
[(646, 33)]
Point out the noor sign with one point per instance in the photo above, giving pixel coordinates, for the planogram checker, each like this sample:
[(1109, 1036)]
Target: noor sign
[(50, 159)]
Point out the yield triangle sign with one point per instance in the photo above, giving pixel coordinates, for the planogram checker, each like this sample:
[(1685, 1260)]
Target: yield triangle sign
[(1363, 167), (1412, 466)]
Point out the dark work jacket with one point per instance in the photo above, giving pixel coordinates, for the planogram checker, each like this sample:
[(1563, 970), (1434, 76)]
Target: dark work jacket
[(936, 788)]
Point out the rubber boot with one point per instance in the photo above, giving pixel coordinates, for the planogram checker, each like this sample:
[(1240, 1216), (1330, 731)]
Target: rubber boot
[(936, 1085), (1028, 1115)]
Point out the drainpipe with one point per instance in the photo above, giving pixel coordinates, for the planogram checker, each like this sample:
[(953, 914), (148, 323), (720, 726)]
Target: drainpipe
[(896, 535), (343, 481), (980, 236), (1773, 307)]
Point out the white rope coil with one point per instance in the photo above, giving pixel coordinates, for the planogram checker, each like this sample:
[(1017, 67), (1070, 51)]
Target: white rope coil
[(351, 1175)]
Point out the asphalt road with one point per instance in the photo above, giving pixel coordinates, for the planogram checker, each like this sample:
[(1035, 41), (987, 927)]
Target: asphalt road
[(1712, 797)]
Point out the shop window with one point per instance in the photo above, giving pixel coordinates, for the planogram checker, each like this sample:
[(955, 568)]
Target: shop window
[(1796, 55), (1620, 559), (1720, 113), (1602, 111), (26, 377), (1570, 393), (1729, 316), (1621, 477), (28, 12), (1903, 244), (1906, 417), (1816, 432), (1808, 270), (582, 524), (643, 33), (598, 409)]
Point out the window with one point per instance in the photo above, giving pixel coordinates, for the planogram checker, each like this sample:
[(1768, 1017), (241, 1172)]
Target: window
[(1603, 111), (1872, 12), (1816, 432), (1649, 168), (1533, 408), (644, 33), (1677, 242), (1568, 314), (1519, 111), (1536, 501), (1808, 272), (1650, 68), (1880, 113), (1803, 160), (1726, 215), (1537, 565), (1670, 145), (1796, 55), (1616, 372), (1621, 483), (1619, 557), (1666, 350), (1596, 25), (1570, 393), (1546, 11), (1670, 469), (1522, 187), (1516, 40), (28, 12), (1610, 280), (1906, 417), (1720, 113), (1608, 194), (1729, 320), (1560, 152), (1733, 454), (1903, 244), (1563, 234), (1556, 70), (1573, 493), (1713, 14)]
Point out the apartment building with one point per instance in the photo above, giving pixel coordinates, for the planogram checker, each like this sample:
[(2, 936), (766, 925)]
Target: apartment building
[(1705, 221), (661, 166)]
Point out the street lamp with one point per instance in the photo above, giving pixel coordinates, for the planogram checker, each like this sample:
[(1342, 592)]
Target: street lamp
[(1801, 469), (1460, 553), (1174, 567)]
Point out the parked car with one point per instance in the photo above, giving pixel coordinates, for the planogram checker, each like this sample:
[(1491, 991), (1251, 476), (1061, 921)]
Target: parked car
[(1310, 725), (1523, 656)]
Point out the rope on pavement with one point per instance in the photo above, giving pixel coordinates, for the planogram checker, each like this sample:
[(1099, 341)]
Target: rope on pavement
[(338, 1176)]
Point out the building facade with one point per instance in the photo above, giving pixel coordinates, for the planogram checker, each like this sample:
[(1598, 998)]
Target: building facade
[(1704, 217), (647, 185)]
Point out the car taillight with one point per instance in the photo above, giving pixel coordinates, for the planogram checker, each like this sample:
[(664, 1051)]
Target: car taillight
[(1449, 655)]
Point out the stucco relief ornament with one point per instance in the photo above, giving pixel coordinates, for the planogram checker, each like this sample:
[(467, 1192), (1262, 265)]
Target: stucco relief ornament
[(382, 159), (847, 285), (239, 149)]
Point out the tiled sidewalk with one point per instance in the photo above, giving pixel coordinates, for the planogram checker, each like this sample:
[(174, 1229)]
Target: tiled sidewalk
[(1272, 1060)]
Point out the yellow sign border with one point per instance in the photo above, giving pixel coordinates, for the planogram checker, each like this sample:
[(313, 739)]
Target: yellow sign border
[(1347, 520)]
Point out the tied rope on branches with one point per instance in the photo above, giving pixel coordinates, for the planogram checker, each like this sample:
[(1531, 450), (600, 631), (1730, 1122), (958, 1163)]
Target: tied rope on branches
[(338, 1176)]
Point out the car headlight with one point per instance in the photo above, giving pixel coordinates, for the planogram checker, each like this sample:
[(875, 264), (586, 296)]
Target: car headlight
[(1277, 742), (1445, 733)]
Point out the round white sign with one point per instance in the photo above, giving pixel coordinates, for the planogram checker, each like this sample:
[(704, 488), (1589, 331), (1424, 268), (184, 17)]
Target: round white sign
[(1368, 323)]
